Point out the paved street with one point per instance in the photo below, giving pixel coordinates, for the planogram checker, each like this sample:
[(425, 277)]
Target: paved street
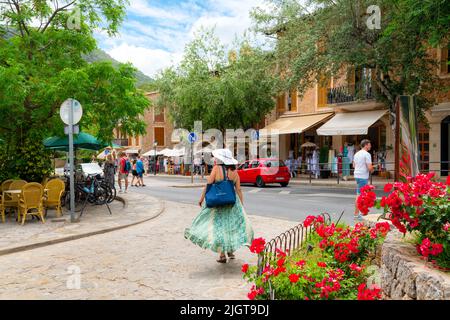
[(152, 260), (148, 261), (293, 203)]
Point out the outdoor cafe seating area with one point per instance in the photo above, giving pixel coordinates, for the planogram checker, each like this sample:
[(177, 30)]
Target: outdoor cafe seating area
[(21, 200)]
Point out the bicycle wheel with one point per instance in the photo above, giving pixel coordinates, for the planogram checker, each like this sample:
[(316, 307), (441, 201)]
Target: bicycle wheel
[(101, 196), (112, 192), (79, 201)]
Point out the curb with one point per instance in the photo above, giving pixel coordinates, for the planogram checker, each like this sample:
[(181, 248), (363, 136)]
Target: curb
[(4, 252), (188, 186)]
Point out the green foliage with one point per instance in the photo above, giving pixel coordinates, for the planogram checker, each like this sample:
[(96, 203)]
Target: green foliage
[(323, 38), (233, 92), (41, 67)]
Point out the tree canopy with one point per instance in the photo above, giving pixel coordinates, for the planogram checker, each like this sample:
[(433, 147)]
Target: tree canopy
[(321, 38), (225, 89), (42, 49)]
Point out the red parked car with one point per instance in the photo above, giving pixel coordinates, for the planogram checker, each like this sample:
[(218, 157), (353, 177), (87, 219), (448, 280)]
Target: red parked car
[(264, 171)]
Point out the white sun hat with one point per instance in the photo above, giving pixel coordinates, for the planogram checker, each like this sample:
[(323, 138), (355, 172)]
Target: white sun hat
[(225, 156)]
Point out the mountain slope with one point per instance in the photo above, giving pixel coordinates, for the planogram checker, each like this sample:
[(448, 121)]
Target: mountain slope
[(100, 55)]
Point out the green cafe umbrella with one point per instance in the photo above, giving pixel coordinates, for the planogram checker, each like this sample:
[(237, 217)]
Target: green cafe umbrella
[(82, 141)]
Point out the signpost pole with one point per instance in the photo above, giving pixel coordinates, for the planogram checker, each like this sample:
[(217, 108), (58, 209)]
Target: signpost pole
[(72, 165), (192, 164)]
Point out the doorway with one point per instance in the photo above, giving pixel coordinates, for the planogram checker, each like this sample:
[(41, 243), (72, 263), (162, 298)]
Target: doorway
[(445, 146)]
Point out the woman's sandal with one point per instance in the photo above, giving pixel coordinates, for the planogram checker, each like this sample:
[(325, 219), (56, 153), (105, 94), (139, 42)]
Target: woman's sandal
[(231, 256), (223, 259)]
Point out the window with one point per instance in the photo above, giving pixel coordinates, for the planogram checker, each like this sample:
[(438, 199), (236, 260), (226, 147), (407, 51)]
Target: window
[(281, 103), (160, 137), (445, 59), (159, 117), (323, 86), (424, 148), (292, 101), (274, 164), (255, 164)]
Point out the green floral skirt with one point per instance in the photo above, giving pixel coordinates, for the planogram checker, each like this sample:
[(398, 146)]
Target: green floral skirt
[(223, 229)]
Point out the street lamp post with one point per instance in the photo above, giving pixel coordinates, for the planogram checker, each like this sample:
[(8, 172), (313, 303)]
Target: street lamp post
[(155, 144)]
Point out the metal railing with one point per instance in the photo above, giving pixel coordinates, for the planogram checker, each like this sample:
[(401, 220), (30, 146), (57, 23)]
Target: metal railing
[(352, 92), (443, 169), (288, 242)]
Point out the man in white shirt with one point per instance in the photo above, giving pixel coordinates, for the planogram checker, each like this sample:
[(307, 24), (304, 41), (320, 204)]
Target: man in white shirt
[(362, 162)]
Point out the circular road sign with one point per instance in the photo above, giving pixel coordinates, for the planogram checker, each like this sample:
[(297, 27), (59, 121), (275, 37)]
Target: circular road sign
[(64, 112), (192, 137)]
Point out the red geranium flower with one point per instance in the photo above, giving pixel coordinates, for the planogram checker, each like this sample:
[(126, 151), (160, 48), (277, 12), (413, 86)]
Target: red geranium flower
[(258, 245), (388, 187), (368, 294), (309, 221), (301, 263), (245, 268), (322, 264), (294, 278)]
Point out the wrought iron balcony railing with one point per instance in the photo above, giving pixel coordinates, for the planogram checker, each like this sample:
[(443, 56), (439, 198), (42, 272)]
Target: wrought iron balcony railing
[(121, 142), (351, 93)]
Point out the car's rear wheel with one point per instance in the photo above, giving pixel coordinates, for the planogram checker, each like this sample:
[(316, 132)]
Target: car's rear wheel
[(260, 182), (284, 184)]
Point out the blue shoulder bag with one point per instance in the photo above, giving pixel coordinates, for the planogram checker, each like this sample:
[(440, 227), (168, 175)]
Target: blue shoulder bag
[(220, 193)]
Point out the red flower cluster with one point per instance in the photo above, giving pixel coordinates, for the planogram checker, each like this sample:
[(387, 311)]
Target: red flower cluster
[(426, 248), (294, 278), (255, 292), (446, 227), (368, 294), (258, 245), (330, 283), (313, 220), (245, 268), (367, 199)]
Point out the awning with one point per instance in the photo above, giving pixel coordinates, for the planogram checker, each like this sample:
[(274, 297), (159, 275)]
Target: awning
[(351, 123), (297, 124), (132, 151)]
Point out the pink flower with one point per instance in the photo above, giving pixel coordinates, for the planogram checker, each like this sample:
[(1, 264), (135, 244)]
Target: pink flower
[(446, 226), (301, 263)]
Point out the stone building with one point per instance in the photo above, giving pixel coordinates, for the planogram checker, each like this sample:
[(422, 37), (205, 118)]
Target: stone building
[(159, 130), (344, 110)]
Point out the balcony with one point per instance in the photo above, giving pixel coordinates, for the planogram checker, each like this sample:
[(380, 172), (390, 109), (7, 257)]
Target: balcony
[(351, 93), (121, 142)]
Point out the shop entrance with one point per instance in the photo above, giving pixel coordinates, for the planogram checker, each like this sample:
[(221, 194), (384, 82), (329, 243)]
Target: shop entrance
[(445, 146)]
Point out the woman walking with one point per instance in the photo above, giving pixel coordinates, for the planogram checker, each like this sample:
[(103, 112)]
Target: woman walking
[(135, 175), (222, 229)]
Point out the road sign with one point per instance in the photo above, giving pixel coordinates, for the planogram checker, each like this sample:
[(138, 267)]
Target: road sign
[(192, 137), (66, 107)]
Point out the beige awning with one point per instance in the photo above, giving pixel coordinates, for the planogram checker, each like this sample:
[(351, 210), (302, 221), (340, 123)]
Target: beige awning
[(296, 124), (351, 123)]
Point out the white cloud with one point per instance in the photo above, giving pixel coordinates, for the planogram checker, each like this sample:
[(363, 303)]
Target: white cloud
[(154, 37), (149, 61)]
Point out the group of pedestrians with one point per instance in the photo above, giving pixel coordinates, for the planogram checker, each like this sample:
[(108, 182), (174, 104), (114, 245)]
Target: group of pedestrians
[(127, 166)]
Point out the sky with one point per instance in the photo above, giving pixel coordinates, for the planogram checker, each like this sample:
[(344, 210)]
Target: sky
[(155, 32)]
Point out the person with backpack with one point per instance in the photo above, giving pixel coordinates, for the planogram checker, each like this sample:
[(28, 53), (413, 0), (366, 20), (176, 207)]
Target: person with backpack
[(124, 171), (222, 225)]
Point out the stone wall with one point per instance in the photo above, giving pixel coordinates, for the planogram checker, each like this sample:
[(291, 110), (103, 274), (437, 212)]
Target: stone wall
[(405, 276)]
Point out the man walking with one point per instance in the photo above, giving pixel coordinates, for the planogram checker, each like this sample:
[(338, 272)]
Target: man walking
[(124, 171), (362, 162)]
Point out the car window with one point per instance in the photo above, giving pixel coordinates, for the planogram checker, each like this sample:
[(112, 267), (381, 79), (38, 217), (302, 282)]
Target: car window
[(274, 164), (255, 164), (244, 166)]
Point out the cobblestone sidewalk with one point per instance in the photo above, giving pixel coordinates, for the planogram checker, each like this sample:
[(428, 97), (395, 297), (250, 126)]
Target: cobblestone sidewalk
[(151, 260), (96, 219)]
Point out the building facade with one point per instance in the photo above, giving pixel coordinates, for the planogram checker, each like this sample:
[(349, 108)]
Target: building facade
[(158, 129), (342, 111)]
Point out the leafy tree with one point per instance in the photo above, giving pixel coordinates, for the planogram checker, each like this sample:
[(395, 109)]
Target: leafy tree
[(42, 49), (224, 91), (324, 37)]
